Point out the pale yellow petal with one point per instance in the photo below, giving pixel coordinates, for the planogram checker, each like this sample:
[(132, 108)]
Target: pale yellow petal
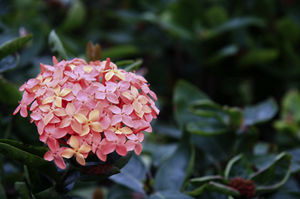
[(58, 102), (94, 115), (134, 91), (126, 130), (120, 75), (88, 68), (127, 95), (57, 90), (68, 153), (65, 92), (96, 126), (74, 142), (84, 149), (109, 75), (146, 109), (80, 118), (48, 100), (85, 130), (137, 106), (80, 159)]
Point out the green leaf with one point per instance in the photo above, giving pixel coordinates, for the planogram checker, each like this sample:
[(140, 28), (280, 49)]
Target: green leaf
[(22, 190), (120, 52), (206, 179), (9, 94), (2, 192), (261, 112), (134, 66), (57, 46), (29, 159), (274, 175), (295, 154), (174, 171), (132, 174), (238, 166), (259, 56), (13, 45), (169, 195), (75, 16), (185, 95), (208, 127), (215, 187), (237, 23), (49, 193), (9, 62), (36, 150), (159, 152)]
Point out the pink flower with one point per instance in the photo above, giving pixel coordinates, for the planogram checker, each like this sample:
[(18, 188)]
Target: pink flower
[(95, 107)]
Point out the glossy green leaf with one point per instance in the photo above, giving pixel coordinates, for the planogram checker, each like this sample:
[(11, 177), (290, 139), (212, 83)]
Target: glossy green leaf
[(13, 45), (173, 172), (27, 158), (259, 56), (132, 174), (75, 16), (185, 95), (9, 62), (261, 112), (215, 187), (169, 195), (238, 166), (9, 94), (49, 193), (134, 66), (274, 175), (206, 179), (208, 127), (295, 154), (22, 190), (56, 45), (159, 152)]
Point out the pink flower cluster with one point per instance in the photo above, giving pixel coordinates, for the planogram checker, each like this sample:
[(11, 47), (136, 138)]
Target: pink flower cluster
[(81, 109)]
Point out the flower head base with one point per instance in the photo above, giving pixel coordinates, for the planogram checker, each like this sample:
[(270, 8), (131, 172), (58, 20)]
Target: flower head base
[(81, 109)]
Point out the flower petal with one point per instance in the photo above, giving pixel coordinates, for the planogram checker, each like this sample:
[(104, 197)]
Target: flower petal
[(68, 153)]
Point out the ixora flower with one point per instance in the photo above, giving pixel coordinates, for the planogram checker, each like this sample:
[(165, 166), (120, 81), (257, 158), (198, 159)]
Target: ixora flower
[(84, 108)]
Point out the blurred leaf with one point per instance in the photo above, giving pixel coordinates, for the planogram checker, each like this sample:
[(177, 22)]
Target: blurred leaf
[(132, 174), (169, 195), (215, 187), (9, 94), (36, 150), (185, 95), (97, 171), (56, 45), (173, 172), (75, 16), (32, 160), (238, 166), (168, 130), (2, 192), (119, 52), (49, 193), (261, 112), (22, 190), (13, 45), (295, 154), (274, 175), (134, 66), (206, 179), (208, 127), (9, 62), (227, 51), (159, 152), (259, 56), (93, 52), (120, 192), (237, 23), (288, 29)]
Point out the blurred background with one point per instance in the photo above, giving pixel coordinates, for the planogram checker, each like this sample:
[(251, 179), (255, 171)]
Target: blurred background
[(238, 52)]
